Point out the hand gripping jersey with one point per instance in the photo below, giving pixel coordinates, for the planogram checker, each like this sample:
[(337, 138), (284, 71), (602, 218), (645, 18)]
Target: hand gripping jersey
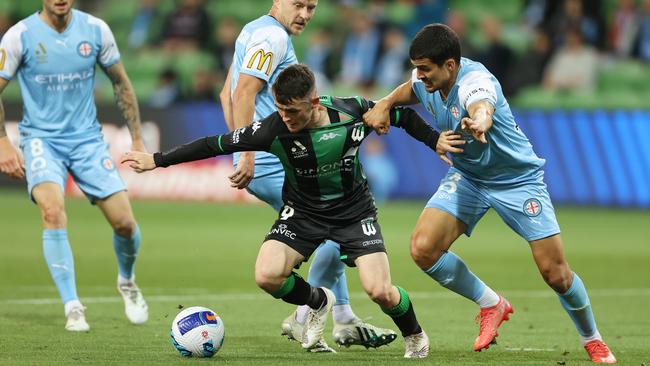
[(56, 73), (508, 157), (323, 175), (263, 49)]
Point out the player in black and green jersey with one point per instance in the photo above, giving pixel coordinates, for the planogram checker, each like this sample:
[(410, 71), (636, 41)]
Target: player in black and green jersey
[(325, 196)]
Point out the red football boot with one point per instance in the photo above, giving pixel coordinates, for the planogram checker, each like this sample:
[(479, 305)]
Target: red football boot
[(599, 352), (490, 319)]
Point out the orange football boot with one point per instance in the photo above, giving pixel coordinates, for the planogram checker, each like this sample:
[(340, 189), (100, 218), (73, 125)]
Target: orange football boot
[(490, 319)]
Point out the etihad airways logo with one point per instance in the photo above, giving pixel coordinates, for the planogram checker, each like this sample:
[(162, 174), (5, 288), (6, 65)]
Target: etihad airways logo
[(63, 78)]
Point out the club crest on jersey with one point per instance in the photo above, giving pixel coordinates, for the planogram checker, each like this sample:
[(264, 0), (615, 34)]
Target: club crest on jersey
[(358, 133), (454, 112), (108, 164), (368, 226), (532, 207), (85, 49)]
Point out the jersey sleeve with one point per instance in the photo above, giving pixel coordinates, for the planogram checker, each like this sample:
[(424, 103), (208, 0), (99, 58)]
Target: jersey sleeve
[(109, 54), (475, 86), (11, 51), (265, 50), (418, 87), (409, 120), (257, 136)]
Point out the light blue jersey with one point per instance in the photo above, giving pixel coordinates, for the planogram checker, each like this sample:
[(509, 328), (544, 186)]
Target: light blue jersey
[(56, 73), (263, 49), (508, 157), (505, 174), (60, 134)]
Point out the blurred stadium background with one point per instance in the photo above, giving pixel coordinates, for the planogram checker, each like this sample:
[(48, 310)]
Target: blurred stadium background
[(577, 74)]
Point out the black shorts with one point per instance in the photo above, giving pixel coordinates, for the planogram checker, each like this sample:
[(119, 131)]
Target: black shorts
[(305, 234)]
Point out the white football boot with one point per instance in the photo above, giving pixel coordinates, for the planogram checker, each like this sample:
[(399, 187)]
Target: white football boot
[(315, 324), (77, 320), (321, 347), (417, 345), (293, 330), (361, 333), (135, 307)]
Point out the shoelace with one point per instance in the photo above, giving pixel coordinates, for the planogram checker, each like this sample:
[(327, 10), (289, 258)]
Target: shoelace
[(132, 292), (599, 349), (76, 313), (484, 317)]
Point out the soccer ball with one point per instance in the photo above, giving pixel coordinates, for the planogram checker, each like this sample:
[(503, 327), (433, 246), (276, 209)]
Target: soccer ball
[(198, 332)]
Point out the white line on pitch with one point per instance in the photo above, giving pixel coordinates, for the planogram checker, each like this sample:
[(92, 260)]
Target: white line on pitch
[(622, 292), (526, 349)]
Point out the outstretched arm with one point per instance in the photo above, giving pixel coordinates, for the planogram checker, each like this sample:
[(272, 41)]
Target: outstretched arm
[(127, 103), (242, 139), (203, 148), (377, 117), (11, 161)]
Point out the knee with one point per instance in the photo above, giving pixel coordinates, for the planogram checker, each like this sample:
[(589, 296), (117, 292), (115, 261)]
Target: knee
[(54, 215), (124, 227), (382, 295), (267, 280), (424, 250), (558, 276)]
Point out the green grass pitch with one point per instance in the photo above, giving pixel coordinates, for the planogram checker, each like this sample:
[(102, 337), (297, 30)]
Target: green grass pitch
[(203, 254)]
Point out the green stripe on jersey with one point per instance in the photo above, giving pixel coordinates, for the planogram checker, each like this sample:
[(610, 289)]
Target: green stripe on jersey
[(328, 147), (278, 150)]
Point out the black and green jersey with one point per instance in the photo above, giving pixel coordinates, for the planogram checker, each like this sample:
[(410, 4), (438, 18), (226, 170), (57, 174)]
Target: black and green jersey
[(323, 175)]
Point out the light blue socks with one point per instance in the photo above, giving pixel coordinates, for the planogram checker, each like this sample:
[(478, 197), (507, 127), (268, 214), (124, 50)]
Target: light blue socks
[(576, 303), (451, 272), (328, 270), (126, 250), (58, 256)]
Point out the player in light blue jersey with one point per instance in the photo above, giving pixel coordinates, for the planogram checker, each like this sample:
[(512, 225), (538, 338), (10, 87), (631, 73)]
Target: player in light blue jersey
[(263, 49), (53, 54), (493, 166)]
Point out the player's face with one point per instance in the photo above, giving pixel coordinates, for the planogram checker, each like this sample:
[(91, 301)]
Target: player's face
[(297, 114), (295, 14), (58, 7), (433, 77)]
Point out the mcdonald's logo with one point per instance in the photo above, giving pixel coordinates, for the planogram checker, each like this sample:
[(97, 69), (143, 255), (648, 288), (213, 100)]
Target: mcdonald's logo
[(262, 61)]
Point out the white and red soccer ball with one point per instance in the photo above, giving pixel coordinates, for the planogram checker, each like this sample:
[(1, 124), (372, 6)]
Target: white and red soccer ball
[(197, 332)]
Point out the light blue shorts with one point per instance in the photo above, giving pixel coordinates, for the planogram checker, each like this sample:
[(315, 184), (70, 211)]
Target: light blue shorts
[(50, 159), (268, 188), (526, 206), (268, 179)]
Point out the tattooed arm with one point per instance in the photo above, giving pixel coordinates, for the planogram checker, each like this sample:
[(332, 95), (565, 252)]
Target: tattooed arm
[(11, 161), (127, 103)]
